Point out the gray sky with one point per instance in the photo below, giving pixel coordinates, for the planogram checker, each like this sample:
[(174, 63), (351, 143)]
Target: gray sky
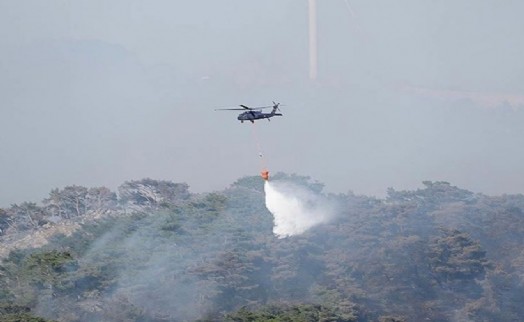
[(99, 92)]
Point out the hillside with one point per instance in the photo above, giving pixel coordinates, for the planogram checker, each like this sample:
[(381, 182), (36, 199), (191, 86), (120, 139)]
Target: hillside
[(153, 251)]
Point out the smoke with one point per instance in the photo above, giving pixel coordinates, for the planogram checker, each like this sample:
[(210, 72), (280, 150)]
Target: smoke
[(295, 209)]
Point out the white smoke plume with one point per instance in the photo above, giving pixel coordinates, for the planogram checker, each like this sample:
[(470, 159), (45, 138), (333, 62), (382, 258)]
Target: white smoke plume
[(295, 209)]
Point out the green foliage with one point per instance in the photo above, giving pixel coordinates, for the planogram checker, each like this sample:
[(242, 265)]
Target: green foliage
[(22, 317), (205, 208), (172, 224), (48, 269), (27, 215), (13, 309), (152, 193), (389, 318), (68, 202), (254, 183), (456, 256), (74, 201), (288, 313), (5, 221), (433, 194), (17, 313), (438, 253)]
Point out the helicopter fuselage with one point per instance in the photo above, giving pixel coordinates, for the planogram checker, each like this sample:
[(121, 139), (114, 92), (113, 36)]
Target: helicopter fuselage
[(256, 115)]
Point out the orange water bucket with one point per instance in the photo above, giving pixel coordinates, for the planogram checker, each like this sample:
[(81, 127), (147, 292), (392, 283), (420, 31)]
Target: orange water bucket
[(265, 175)]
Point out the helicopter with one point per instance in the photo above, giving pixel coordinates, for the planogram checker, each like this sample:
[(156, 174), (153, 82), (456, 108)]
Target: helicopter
[(254, 113)]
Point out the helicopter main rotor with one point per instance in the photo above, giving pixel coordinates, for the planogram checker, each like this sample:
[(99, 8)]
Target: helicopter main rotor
[(244, 108)]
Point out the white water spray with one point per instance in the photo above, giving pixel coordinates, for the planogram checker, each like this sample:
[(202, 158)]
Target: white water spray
[(294, 208)]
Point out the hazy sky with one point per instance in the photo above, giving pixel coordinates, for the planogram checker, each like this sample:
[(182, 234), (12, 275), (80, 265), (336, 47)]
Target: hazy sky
[(99, 92)]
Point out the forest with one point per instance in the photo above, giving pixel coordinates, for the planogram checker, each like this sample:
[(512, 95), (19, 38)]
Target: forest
[(154, 251)]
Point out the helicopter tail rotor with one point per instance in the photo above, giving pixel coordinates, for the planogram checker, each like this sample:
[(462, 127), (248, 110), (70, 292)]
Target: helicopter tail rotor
[(276, 106)]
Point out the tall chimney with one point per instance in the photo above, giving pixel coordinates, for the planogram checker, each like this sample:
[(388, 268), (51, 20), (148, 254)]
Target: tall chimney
[(313, 50)]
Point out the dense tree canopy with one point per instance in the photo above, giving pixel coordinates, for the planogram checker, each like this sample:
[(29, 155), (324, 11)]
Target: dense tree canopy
[(156, 252)]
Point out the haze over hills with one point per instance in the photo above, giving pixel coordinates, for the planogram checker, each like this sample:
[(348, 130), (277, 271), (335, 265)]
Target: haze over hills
[(93, 96), (386, 103), (156, 252)]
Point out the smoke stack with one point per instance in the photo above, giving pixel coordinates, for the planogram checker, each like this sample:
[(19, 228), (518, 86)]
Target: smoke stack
[(313, 50)]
